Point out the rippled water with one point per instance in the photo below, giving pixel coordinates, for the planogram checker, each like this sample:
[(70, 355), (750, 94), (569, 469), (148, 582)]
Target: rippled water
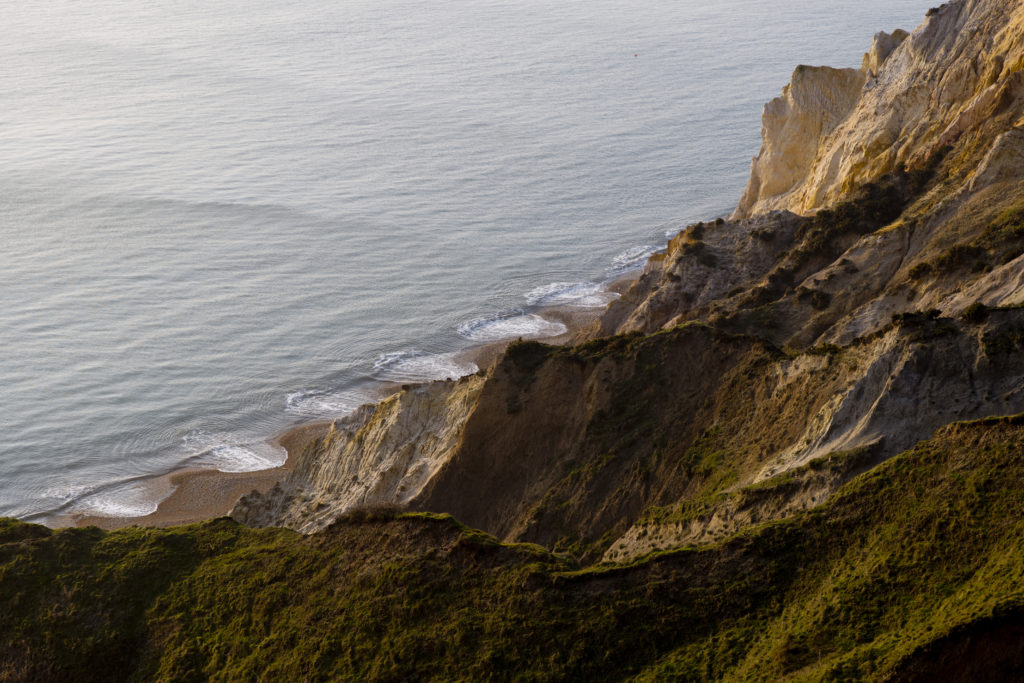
[(220, 219)]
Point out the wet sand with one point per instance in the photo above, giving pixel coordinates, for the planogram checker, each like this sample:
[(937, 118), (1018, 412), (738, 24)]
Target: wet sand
[(199, 495)]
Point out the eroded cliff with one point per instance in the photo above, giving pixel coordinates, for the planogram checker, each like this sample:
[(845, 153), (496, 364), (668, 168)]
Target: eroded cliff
[(383, 454), (956, 80), (758, 363), (777, 457)]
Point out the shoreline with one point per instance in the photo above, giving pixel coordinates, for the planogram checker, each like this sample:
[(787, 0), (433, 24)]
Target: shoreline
[(202, 494), (198, 495)]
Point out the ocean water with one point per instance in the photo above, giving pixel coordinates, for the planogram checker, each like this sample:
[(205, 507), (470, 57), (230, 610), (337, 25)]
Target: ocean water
[(218, 220)]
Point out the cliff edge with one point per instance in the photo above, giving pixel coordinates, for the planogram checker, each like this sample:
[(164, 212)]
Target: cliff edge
[(790, 451), (956, 80), (776, 348)]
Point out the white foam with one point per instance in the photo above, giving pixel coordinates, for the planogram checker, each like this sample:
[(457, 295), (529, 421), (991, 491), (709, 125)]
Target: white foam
[(317, 402), (417, 366), (141, 497), (497, 328), (226, 454), (130, 499), (236, 458), (631, 259), (64, 492), (580, 294)]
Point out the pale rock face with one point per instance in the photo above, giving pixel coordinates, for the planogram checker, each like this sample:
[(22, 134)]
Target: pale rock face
[(881, 48), (383, 455), (793, 126), (949, 79), (1004, 161), (1004, 286)]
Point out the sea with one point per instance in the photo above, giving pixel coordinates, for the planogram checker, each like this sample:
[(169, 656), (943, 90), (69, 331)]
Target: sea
[(222, 219)]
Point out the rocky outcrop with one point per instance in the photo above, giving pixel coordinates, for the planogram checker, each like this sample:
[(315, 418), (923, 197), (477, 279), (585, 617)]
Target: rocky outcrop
[(758, 363), (702, 264), (384, 454), (572, 447), (956, 81), (793, 127), (881, 48)]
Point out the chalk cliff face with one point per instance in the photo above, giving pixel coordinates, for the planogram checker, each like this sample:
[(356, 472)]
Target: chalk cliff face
[(956, 80), (794, 126), (865, 294)]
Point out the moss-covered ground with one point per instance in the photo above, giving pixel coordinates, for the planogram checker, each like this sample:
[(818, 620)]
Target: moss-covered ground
[(909, 562)]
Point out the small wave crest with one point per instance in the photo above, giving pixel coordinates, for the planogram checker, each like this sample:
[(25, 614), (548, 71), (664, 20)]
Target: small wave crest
[(136, 498), (321, 402), (226, 454), (631, 259), (514, 326), (418, 366), (578, 294)]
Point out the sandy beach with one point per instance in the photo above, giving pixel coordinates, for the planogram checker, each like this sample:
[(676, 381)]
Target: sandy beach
[(201, 494)]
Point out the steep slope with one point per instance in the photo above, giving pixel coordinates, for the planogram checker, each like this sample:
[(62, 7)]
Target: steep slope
[(956, 80), (383, 454), (905, 568), (751, 352), (644, 442)]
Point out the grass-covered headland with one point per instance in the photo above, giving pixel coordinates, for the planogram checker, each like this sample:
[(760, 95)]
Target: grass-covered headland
[(913, 571)]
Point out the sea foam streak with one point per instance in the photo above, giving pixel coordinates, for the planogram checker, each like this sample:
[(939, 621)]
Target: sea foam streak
[(128, 499), (631, 259), (418, 366), (322, 402), (223, 453), (500, 327), (578, 294)]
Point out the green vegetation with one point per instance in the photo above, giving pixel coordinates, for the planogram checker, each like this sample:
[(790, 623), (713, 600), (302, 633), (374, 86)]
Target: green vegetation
[(871, 207), (1001, 241), (924, 550), (975, 314)]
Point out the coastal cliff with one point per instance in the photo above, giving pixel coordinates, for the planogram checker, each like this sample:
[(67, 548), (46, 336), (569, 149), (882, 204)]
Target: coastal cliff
[(750, 349), (781, 454), (956, 80)]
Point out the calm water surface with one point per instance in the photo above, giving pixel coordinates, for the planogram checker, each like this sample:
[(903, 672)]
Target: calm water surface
[(220, 219)]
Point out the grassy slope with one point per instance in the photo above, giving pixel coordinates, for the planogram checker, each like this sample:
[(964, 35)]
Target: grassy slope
[(925, 549)]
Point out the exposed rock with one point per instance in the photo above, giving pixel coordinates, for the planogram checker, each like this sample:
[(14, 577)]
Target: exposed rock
[(383, 455), (568, 447), (793, 127), (955, 81), (1004, 286), (881, 48), (722, 385), (703, 263), (1004, 160)]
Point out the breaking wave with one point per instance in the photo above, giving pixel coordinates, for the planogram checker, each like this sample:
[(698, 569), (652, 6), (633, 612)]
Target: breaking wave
[(501, 327), (418, 366), (580, 294)]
